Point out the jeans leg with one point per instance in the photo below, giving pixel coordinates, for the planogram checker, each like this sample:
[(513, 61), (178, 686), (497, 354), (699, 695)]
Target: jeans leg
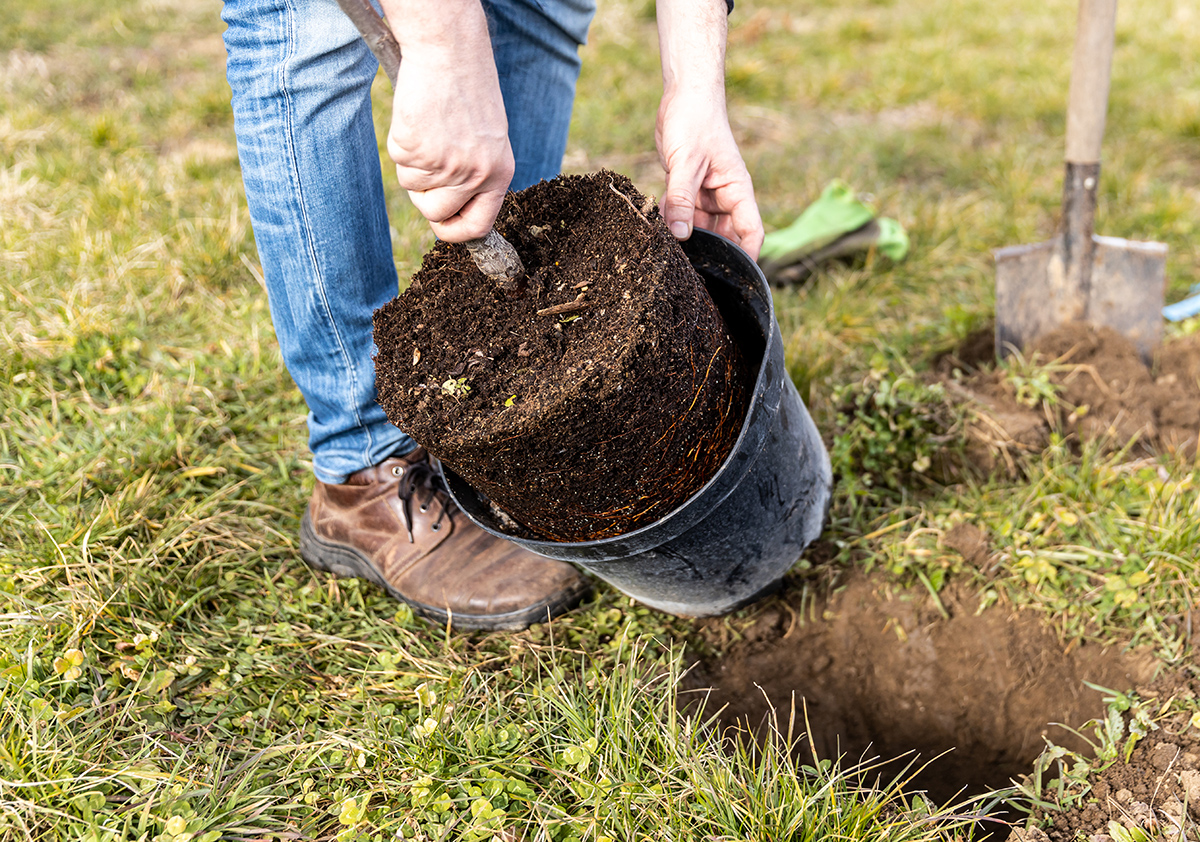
[(536, 45), (301, 79)]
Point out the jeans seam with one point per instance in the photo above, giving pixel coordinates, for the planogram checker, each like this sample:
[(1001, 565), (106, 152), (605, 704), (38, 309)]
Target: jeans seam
[(310, 248)]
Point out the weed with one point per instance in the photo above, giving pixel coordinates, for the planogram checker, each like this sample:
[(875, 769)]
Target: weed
[(890, 428), (1061, 778), (455, 387), (1031, 381)]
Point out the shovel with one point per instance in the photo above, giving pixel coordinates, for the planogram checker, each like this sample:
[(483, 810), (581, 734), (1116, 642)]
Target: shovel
[(1077, 276), (494, 255)]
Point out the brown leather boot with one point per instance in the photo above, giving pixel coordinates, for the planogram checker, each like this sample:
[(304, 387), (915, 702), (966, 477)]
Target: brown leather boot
[(395, 525)]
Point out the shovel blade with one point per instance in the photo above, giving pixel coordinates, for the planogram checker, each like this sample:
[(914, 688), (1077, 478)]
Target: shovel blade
[(1034, 294)]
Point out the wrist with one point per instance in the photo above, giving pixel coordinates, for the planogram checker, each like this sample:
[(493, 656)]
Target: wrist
[(424, 29), (694, 103)]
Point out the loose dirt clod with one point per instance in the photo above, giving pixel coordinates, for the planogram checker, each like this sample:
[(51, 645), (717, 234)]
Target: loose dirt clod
[(594, 401), (970, 542)]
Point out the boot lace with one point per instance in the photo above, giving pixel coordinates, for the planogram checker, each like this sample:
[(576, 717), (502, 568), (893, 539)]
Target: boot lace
[(421, 480)]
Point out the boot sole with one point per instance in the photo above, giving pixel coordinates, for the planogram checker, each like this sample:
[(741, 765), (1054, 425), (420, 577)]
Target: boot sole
[(348, 563)]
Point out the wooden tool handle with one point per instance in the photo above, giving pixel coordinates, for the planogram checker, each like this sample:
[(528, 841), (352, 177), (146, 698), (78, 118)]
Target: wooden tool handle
[(1087, 105), (1091, 71), (493, 254), (376, 33)]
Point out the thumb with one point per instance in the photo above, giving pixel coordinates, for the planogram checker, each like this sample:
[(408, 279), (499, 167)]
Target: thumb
[(679, 202)]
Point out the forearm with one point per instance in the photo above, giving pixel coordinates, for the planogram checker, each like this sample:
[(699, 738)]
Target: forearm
[(707, 181), (691, 40)]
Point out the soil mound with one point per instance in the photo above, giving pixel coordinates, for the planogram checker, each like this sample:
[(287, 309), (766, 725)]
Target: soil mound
[(890, 674), (1105, 394), (591, 402)]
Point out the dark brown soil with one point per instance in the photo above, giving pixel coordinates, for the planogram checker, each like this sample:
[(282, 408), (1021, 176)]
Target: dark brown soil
[(593, 401), (884, 673), (1105, 395)]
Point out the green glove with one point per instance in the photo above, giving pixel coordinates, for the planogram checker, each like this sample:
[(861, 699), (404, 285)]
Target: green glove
[(835, 225)]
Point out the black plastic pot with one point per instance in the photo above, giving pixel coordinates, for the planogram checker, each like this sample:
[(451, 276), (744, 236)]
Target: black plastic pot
[(736, 536)]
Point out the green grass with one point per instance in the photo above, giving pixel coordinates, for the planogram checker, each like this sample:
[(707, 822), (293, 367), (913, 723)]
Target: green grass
[(171, 667)]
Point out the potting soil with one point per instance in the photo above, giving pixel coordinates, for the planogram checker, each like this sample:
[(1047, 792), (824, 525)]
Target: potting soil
[(592, 401)]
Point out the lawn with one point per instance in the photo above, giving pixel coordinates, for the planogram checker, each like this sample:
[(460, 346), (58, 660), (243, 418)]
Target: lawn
[(172, 671)]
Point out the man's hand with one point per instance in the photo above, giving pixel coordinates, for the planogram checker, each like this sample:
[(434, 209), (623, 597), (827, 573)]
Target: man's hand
[(707, 181), (708, 184), (449, 132)]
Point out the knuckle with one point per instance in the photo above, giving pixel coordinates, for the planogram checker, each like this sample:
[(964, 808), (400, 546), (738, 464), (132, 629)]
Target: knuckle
[(432, 205)]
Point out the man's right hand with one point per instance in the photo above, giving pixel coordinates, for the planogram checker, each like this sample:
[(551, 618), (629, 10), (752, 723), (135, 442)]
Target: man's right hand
[(449, 132)]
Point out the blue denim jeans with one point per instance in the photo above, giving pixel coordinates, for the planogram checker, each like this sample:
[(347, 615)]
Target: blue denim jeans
[(301, 79)]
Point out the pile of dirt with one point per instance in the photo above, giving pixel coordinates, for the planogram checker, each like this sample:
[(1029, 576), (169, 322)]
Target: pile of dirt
[(1155, 794), (1104, 394), (968, 695), (593, 400)]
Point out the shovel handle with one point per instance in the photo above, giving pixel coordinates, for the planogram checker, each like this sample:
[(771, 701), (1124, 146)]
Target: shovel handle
[(493, 254), (1091, 72), (1087, 106)]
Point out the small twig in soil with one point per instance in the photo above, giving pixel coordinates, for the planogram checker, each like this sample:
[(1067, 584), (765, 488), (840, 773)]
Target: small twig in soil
[(629, 202), (568, 307)]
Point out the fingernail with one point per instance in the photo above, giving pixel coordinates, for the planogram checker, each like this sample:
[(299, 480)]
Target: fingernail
[(679, 230)]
